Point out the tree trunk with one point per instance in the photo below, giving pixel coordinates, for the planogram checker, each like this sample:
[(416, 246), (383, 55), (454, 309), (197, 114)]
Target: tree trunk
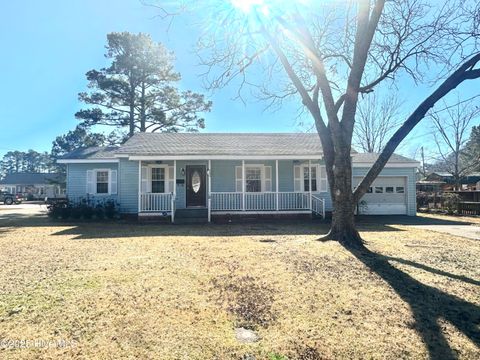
[(342, 228)]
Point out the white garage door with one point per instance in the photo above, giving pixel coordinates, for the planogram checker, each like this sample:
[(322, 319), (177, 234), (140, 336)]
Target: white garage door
[(386, 196)]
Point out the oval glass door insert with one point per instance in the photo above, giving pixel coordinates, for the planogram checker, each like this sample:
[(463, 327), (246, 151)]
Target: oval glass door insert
[(196, 182)]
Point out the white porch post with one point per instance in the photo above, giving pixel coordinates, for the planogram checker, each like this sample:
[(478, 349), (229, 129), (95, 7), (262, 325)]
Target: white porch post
[(139, 185), (276, 185), (310, 182), (174, 195), (209, 204), (243, 185)]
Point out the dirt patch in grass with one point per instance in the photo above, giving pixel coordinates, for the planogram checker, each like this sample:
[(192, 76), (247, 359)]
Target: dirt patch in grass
[(249, 299), (178, 292)]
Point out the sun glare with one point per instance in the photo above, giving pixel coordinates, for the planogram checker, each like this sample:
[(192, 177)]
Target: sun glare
[(248, 5)]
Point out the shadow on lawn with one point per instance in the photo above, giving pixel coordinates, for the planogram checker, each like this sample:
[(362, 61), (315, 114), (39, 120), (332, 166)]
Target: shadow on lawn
[(428, 304)]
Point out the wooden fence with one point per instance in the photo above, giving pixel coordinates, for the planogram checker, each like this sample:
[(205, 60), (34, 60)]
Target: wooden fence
[(469, 208)]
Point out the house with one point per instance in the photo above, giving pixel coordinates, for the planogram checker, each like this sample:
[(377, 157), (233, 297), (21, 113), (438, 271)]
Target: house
[(214, 175), (33, 185), (444, 181)]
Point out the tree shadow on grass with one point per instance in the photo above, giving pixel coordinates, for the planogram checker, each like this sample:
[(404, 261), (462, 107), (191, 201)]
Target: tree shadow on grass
[(429, 305)]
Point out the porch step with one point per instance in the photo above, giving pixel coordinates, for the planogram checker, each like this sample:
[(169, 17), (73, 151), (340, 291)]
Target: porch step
[(191, 216)]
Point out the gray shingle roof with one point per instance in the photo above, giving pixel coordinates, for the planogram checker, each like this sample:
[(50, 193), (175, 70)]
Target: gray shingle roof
[(107, 152), (372, 157), (30, 179), (222, 144)]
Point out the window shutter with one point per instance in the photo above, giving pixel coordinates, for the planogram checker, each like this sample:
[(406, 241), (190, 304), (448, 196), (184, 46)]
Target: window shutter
[(297, 178), (113, 182), (268, 179), (144, 186), (90, 182), (323, 179), (169, 179), (238, 179)]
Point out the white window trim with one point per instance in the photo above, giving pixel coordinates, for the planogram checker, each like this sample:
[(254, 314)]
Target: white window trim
[(95, 171), (165, 180), (319, 178), (262, 177)]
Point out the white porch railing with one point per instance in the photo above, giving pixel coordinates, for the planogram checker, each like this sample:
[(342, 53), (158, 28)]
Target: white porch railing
[(153, 202), (266, 201), (318, 205)]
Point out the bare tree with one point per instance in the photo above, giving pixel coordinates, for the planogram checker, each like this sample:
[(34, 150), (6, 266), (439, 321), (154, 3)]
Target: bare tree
[(453, 126), (332, 52), (376, 120)]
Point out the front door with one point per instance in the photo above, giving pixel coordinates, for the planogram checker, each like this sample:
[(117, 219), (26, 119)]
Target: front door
[(196, 185)]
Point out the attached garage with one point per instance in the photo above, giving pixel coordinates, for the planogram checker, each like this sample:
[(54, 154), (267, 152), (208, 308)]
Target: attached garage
[(393, 191), (386, 196)]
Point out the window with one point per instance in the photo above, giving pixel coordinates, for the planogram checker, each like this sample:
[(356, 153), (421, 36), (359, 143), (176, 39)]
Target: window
[(370, 190), (102, 182), (306, 180), (389, 189), (253, 179), (400, 190), (258, 178), (158, 180), (378, 190)]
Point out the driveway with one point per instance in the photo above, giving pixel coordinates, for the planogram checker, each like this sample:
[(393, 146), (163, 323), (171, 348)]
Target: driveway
[(8, 212), (456, 226)]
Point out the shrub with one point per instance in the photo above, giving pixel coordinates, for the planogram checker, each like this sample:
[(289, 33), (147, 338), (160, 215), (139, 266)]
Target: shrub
[(451, 202), (99, 211), (110, 209), (85, 208)]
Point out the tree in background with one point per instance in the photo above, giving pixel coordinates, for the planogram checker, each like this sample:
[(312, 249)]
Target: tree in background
[(330, 53), (452, 126), (139, 90), (81, 137), (377, 118), (472, 148), (29, 161)]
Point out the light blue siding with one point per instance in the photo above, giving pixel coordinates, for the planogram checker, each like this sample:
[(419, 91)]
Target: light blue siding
[(222, 177), (128, 186), (77, 180), (409, 173)]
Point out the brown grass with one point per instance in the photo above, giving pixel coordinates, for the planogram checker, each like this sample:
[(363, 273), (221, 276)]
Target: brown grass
[(177, 292)]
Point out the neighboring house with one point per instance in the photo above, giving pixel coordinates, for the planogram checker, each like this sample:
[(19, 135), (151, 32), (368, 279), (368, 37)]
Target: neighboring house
[(158, 174), (33, 185), (444, 181)]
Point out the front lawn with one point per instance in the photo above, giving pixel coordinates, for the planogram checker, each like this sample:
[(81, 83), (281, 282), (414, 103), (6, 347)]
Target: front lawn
[(178, 292)]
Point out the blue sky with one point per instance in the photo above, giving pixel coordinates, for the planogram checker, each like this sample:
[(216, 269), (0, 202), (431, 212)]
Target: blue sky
[(48, 46)]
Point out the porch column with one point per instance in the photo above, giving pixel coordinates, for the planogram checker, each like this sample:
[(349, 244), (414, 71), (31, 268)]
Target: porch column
[(243, 185), (276, 184), (209, 204), (310, 182), (139, 185), (174, 196)]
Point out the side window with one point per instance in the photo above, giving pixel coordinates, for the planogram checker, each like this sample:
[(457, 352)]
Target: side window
[(102, 182), (306, 180), (400, 190), (253, 179), (389, 189), (158, 180), (378, 190)]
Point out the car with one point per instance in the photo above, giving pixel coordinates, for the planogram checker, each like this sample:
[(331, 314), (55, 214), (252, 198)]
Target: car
[(10, 199)]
